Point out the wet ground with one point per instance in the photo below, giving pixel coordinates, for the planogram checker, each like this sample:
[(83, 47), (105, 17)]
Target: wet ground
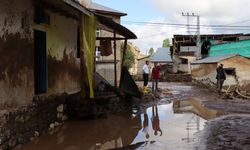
[(176, 122)]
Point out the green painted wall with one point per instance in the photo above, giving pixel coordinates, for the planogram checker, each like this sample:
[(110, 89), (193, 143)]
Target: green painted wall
[(238, 47)]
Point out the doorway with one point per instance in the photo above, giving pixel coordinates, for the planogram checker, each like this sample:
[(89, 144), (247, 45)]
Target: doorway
[(40, 62)]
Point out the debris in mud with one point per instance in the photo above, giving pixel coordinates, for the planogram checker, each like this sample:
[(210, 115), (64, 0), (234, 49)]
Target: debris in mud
[(155, 96), (228, 132), (231, 106)]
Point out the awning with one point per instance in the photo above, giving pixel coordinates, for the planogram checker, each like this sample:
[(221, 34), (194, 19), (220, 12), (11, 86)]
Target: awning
[(119, 29)]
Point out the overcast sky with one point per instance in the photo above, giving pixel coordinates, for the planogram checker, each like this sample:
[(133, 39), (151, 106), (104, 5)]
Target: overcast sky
[(211, 12)]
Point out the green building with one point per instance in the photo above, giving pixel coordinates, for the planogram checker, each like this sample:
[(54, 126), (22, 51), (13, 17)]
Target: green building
[(238, 47)]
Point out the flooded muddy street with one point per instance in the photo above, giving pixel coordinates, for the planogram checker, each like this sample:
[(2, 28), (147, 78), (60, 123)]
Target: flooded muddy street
[(159, 127), (174, 122)]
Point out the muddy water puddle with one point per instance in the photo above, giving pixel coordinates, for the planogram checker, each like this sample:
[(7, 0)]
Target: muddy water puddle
[(169, 126)]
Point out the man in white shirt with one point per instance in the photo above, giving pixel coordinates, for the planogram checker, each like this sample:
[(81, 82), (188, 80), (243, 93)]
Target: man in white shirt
[(145, 74)]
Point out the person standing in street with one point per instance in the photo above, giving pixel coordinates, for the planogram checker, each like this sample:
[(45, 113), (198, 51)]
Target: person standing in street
[(145, 75), (221, 77), (155, 77)]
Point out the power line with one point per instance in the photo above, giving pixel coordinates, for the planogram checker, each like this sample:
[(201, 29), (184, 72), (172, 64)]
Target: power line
[(184, 25), (198, 37), (244, 21)]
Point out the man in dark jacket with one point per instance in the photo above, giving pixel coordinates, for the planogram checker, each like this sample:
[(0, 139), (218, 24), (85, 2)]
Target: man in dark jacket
[(221, 77)]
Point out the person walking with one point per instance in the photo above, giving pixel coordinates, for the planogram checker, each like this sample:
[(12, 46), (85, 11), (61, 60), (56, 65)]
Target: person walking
[(221, 77), (145, 75), (155, 77)]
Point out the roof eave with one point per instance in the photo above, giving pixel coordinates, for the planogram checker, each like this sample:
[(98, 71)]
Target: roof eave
[(116, 27), (109, 12), (78, 7)]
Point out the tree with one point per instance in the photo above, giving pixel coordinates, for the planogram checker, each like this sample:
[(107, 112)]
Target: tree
[(129, 58), (166, 43), (151, 51)]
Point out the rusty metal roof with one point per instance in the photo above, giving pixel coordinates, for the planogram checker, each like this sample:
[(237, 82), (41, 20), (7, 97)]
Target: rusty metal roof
[(104, 9), (214, 59), (78, 6), (118, 28)]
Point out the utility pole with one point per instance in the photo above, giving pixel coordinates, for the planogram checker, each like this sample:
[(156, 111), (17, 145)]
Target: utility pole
[(188, 16), (198, 36)]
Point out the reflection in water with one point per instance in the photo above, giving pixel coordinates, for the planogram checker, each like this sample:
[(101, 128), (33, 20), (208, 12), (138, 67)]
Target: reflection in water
[(155, 121), (145, 124), (172, 126), (98, 134)]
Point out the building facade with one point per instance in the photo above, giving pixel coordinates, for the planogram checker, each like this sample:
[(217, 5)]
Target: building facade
[(37, 57), (236, 67)]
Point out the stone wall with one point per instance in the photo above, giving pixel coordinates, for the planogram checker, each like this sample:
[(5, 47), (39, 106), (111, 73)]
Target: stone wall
[(101, 106), (176, 78), (23, 124), (170, 78)]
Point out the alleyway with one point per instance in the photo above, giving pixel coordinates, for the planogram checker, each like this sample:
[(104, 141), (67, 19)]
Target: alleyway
[(178, 121)]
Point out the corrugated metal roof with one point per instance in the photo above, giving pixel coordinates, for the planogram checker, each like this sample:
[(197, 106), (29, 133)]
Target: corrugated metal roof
[(238, 47), (75, 5), (162, 55), (115, 26), (213, 59), (95, 6)]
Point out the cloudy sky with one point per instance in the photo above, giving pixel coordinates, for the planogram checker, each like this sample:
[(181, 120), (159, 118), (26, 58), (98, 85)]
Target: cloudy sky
[(211, 12)]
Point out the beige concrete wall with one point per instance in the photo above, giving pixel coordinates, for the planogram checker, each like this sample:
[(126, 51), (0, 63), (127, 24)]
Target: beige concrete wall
[(16, 52), (242, 66), (63, 66), (176, 62), (186, 67), (206, 73), (183, 68)]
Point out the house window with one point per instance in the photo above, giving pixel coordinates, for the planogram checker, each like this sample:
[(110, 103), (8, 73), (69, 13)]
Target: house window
[(98, 54), (98, 33), (230, 71), (184, 61)]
